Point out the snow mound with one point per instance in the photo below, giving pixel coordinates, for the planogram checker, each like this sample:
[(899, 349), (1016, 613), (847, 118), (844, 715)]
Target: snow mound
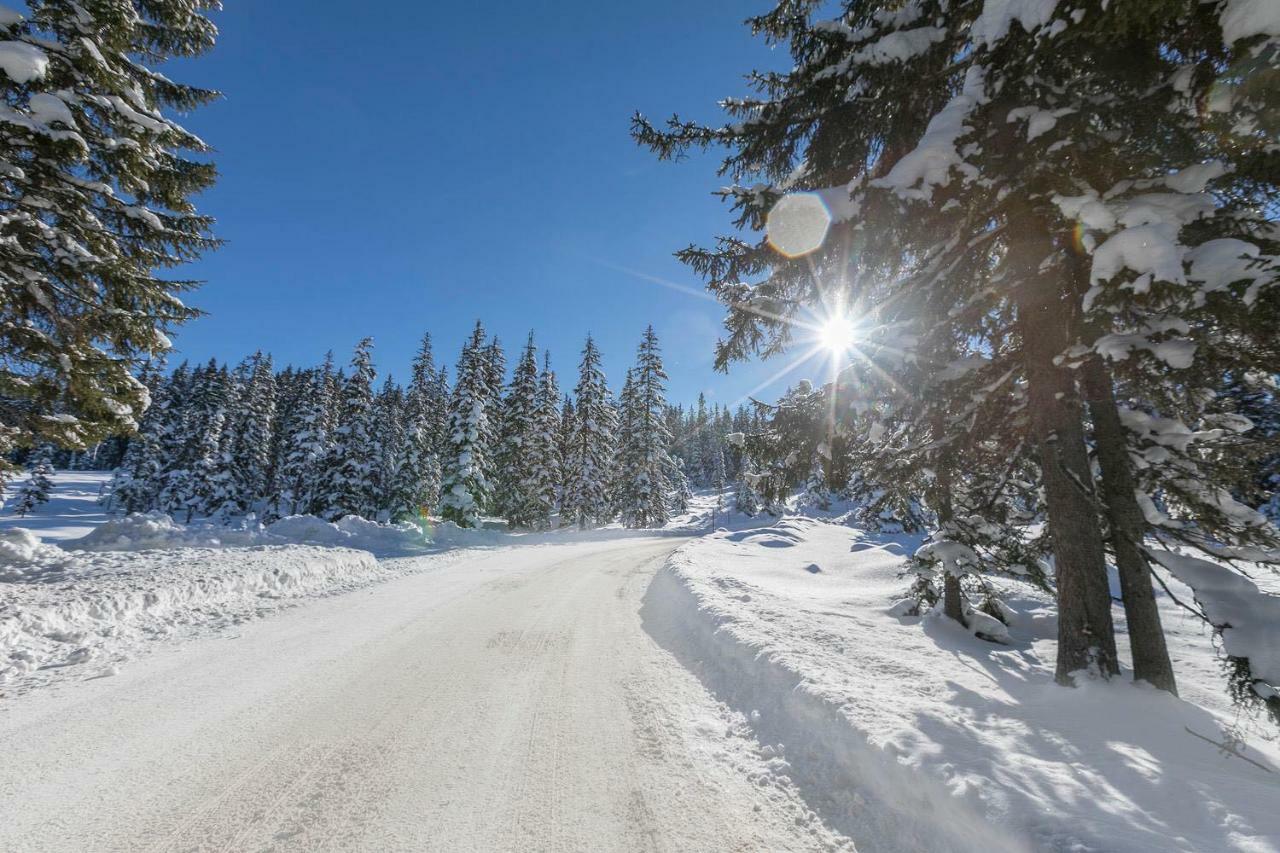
[(101, 607), (22, 554), (156, 530), (349, 532), (908, 733)]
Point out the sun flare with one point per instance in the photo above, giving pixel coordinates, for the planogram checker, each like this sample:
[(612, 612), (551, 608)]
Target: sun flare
[(837, 334)]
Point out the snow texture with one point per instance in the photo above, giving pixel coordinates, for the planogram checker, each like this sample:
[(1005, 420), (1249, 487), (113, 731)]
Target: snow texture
[(100, 608), (22, 62), (907, 733), (1245, 18), (1248, 616), (999, 16), (931, 162)]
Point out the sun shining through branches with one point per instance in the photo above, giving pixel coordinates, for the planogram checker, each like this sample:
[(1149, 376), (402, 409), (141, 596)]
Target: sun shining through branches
[(837, 335)]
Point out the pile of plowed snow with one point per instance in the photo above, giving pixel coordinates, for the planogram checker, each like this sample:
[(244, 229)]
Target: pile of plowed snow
[(909, 733), (81, 613), (148, 531)]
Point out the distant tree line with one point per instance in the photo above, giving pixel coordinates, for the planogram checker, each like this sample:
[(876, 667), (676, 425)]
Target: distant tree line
[(220, 442)]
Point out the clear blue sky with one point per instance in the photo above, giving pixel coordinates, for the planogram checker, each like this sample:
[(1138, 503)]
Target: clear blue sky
[(426, 165)]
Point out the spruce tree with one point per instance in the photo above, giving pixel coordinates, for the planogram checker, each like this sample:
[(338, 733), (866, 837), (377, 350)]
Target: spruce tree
[(586, 499), (306, 446), (516, 496), (97, 189), (1046, 185), (545, 449), (350, 468), (390, 436), (652, 484), (36, 490), (416, 485), (251, 433), (465, 489)]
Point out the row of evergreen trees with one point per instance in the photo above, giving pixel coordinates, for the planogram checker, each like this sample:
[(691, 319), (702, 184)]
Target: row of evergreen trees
[(223, 442), (1058, 228)]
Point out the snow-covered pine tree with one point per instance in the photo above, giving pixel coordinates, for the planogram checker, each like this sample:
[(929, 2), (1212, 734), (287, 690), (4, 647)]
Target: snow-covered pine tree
[(548, 473), (586, 499), (389, 432), (465, 491), (568, 429), (346, 487), (627, 466), (816, 494), (515, 490), (651, 484), (252, 422), (681, 490), (495, 376), (980, 82), (215, 494), (304, 445), (438, 413), (190, 439), (36, 490), (416, 486), (97, 186), (135, 482)]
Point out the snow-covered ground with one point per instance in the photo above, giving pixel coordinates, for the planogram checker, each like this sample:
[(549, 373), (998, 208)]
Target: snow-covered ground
[(910, 733), (750, 689), (509, 700), (72, 512), (82, 592)]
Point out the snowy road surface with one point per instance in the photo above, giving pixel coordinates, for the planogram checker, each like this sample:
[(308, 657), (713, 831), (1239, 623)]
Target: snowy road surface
[(506, 701)]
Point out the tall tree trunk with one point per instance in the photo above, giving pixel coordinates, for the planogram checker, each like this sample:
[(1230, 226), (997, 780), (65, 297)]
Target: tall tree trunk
[(1126, 524), (952, 595), (1046, 315), (1086, 636)]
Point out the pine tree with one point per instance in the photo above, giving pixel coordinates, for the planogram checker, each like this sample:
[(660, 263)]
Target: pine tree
[(97, 198), (653, 483), (568, 429), (36, 489), (548, 468), (251, 433), (348, 482), (998, 159), (586, 500), (135, 482), (390, 436), (305, 445), (516, 489), (628, 467), (495, 377), (465, 490), (192, 446), (416, 485)]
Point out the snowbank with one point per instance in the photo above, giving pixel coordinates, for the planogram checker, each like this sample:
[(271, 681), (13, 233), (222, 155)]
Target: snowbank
[(147, 531), (911, 734), (97, 608)]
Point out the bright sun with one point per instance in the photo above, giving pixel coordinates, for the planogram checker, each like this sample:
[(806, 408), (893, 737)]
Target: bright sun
[(837, 334)]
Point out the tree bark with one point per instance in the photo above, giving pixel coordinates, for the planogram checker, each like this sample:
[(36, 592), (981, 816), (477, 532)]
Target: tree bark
[(1045, 303), (952, 596), (1126, 524)]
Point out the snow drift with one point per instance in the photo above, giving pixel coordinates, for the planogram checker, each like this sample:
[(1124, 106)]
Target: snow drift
[(82, 607), (147, 531)]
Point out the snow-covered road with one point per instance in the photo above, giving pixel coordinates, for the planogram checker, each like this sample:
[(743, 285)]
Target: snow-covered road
[(506, 701)]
